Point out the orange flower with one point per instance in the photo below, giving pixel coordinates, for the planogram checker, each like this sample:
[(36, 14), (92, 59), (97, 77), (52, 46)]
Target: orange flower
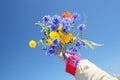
[(67, 14)]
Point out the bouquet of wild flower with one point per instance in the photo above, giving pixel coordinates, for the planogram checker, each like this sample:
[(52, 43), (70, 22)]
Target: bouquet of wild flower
[(60, 34)]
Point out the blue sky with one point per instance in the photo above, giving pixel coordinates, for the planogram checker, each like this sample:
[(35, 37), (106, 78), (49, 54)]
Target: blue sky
[(17, 18)]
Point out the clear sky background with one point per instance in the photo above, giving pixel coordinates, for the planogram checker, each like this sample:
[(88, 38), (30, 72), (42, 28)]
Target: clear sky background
[(17, 18)]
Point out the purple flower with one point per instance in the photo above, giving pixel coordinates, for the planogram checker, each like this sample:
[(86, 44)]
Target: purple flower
[(73, 51), (79, 44), (66, 25), (75, 16), (66, 29), (51, 50), (56, 42), (56, 19), (47, 19), (81, 27), (66, 22), (65, 57), (54, 27)]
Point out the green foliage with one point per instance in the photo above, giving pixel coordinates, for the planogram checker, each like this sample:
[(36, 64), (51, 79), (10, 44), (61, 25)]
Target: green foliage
[(91, 44)]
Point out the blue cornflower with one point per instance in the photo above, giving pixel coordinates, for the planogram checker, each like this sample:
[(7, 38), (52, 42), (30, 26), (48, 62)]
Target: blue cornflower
[(81, 27), (56, 19), (54, 27), (66, 22), (75, 16), (79, 44), (47, 19), (51, 50), (66, 25), (56, 42), (66, 29)]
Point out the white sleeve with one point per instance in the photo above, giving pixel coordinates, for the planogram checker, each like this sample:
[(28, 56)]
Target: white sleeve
[(88, 71)]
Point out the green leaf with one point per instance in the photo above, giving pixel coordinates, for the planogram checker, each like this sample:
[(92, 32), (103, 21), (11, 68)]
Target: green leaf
[(91, 44), (39, 24), (79, 35), (42, 44)]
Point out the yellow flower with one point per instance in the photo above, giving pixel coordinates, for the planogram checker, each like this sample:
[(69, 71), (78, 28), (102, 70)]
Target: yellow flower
[(48, 42), (60, 28), (73, 40), (62, 37), (65, 38), (54, 35), (62, 40), (68, 37), (32, 44)]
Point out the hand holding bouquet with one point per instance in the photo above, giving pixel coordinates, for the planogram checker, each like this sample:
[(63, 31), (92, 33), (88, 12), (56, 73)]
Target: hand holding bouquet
[(63, 39)]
